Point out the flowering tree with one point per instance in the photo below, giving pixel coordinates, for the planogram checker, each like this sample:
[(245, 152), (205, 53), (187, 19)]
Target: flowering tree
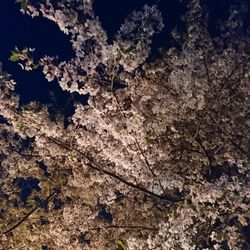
[(157, 159)]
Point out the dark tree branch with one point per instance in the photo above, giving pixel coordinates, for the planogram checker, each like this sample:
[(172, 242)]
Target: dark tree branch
[(26, 216), (93, 165), (124, 227)]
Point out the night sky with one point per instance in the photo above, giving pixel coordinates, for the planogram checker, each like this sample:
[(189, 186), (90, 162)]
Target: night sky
[(23, 31)]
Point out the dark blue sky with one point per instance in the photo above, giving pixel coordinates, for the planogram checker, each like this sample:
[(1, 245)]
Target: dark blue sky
[(23, 31)]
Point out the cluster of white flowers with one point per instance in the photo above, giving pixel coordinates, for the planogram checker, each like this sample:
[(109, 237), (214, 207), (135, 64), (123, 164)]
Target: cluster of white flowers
[(162, 163), (89, 41)]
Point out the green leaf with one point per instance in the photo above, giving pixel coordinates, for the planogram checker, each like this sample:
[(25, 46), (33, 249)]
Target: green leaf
[(35, 66), (120, 245), (221, 218), (129, 49), (14, 57), (24, 4)]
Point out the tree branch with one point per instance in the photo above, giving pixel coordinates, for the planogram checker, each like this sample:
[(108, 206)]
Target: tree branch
[(93, 165), (25, 217)]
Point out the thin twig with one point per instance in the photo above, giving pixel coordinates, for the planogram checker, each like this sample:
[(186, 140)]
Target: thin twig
[(228, 137), (144, 157), (231, 74), (124, 227), (27, 215), (208, 77), (21, 220)]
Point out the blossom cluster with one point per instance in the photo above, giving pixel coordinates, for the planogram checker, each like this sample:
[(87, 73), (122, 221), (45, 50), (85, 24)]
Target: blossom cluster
[(159, 163)]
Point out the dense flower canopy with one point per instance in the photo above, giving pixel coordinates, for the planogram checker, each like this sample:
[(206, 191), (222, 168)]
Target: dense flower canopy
[(159, 156)]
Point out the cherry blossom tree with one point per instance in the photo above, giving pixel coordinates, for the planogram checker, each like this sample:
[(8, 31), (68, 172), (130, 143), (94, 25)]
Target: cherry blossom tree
[(157, 159)]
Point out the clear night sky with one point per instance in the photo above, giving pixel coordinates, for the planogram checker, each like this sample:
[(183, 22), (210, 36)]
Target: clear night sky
[(23, 31)]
